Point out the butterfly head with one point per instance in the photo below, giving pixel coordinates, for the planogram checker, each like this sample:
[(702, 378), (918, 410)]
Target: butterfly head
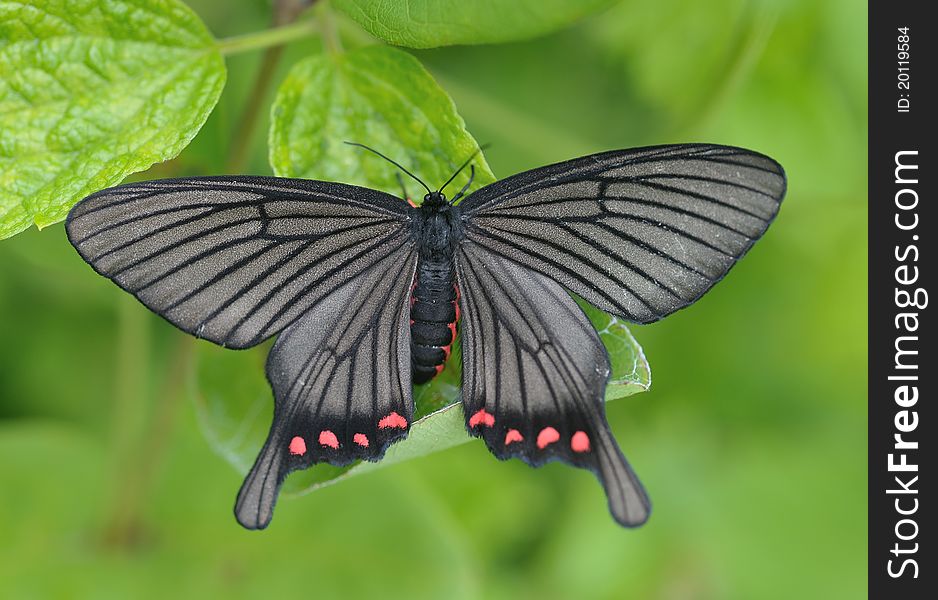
[(435, 200)]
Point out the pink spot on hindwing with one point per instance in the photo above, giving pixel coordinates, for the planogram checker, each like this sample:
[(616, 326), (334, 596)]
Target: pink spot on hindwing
[(513, 435), (580, 442), (481, 418), (297, 446), (328, 439), (361, 439), (546, 437), (393, 420)]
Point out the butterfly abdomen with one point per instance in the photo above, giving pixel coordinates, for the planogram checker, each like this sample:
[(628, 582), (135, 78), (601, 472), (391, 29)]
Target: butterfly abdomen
[(434, 313)]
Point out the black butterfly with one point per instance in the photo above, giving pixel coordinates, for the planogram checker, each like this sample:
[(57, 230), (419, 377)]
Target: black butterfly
[(366, 292)]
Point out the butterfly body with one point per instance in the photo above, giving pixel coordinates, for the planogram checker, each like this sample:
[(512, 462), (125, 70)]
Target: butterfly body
[(364, 293), (434, 308)]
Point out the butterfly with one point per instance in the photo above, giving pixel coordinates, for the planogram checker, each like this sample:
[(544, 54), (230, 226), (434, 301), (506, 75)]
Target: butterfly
[(366, 293)]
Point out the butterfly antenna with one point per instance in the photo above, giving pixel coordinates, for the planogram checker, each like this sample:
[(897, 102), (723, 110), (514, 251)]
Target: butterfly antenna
[(463, 166), (393, 162), (462, 192)]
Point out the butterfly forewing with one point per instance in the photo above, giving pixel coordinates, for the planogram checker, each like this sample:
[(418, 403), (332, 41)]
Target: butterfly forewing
[(534, 376), (638, 233), (235, 259), (341, 377)]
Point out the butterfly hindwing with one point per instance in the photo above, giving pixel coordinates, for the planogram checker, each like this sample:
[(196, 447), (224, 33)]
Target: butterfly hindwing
[(235, 259), (534, 376), (638, 233), (341, 376)]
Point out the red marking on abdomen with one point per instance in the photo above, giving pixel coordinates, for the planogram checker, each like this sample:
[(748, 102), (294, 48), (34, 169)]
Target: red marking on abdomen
[(297, 446), (411, 202), (481, 418), (447, 349), (361, 439), (546, 437), (513, 435), (439, 369), (580, 442), (393, 420), (452, 329), (328, 439), (456, 306)]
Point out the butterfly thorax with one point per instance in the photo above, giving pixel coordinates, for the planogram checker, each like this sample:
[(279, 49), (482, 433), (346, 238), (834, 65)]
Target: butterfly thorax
[(434, 307)]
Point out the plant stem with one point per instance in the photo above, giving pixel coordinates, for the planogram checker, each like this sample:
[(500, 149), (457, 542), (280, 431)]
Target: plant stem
[(285, 12), (276, 36), (131, 404), (125, 528), (330, 37), (241, 148)]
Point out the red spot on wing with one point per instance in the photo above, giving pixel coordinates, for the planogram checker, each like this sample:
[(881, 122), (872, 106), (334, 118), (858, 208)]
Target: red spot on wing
[(391, 421), (361, 439), (546, 437), (513, 435), (481, 418), (328, 439), (297, 446), (580, 442)]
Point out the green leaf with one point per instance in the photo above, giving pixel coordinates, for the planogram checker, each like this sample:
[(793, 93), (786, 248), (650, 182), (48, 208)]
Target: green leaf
[(235, 405), (377, 96), (432, 23), (631, 373), (91, 92)]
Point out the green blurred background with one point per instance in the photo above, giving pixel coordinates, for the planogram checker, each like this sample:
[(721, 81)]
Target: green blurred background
[(752, 441)]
